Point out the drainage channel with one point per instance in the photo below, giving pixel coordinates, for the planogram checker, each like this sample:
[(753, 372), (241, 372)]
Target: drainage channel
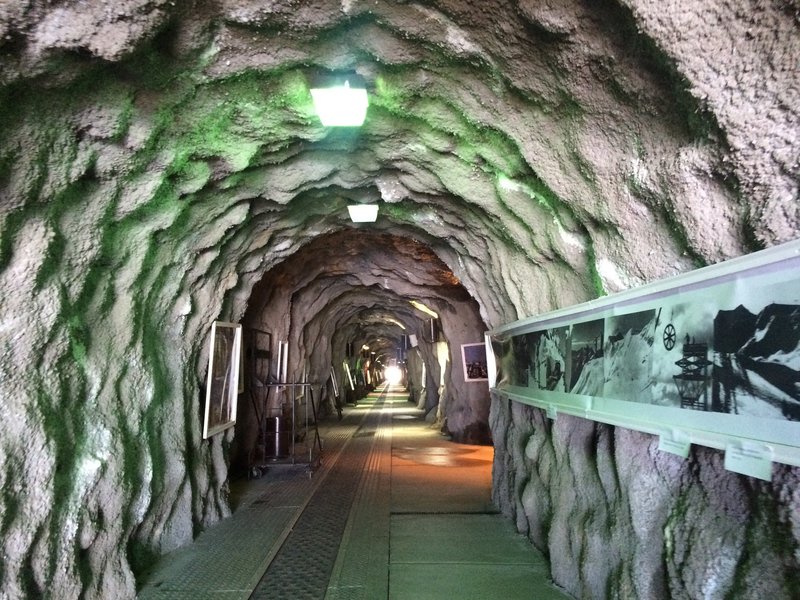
[(302, 567)]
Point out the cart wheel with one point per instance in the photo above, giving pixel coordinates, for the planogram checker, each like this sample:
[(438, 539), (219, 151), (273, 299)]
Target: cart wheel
[(669, 336)]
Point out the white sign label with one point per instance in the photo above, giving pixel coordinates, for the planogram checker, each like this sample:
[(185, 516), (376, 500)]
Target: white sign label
[(678, 444), (749, 459)]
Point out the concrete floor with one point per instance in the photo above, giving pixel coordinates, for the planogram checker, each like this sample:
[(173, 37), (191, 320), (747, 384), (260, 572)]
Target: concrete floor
[(420, 524)]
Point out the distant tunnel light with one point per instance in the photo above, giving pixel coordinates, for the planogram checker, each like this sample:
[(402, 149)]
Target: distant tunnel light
[(363, 213), (393, 375), (340, 106)]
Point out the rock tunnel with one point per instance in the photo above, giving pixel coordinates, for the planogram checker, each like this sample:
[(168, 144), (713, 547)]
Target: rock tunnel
[(162, 167)]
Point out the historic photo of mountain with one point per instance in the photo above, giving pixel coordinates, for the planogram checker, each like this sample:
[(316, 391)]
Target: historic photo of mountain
[(756, 359), (548, 351), (587, 373), (628, 356)]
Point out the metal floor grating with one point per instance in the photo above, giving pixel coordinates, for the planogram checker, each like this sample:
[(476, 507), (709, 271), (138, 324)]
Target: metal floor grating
[(302, 567), (228, 559), (361, 568)]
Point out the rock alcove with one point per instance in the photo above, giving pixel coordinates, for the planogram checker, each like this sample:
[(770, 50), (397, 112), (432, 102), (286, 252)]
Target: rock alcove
[(161, 167)]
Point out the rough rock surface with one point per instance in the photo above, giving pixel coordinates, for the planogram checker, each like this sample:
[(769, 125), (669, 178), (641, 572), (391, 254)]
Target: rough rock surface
[(620, 519), (160, 159)]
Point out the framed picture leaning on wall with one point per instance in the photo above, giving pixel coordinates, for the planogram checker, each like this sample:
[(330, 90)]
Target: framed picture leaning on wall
[(223, 377)]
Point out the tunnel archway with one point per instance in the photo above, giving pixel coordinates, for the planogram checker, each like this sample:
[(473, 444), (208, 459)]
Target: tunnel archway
[(354, 288), (158, 159)]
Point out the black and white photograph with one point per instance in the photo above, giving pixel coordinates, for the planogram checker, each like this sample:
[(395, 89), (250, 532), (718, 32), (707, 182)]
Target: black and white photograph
[(536, 374), (520, 372), (756, 353), (548, 353), (628, 354), (681, 353), (587, 374), (708, 359), (734, 349)]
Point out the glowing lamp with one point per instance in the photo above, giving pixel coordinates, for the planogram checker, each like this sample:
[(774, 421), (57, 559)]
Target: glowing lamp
[(340, 105), (363, 213)]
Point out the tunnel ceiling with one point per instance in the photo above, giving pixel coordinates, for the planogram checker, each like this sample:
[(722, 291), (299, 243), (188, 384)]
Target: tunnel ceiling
[(586, 148), (360, 283)]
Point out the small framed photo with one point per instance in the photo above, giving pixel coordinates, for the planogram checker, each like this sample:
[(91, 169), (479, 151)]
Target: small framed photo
[(223, 377), (474, 359)]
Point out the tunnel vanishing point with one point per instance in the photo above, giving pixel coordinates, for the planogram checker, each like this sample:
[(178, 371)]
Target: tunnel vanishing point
[(162, 167)]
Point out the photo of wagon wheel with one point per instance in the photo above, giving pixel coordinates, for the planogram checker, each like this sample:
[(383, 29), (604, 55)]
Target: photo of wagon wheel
[(669, 336)]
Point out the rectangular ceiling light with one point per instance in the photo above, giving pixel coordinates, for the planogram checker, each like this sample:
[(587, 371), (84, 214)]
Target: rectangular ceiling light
[(363, 213), (340, 105), (420, 306)]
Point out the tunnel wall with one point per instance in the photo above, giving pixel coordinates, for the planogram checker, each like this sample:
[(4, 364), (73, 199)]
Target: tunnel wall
[(463, 409), (620, 519)]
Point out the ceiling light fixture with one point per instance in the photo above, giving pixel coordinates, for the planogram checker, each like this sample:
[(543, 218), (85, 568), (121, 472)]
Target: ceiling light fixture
[(420, 306), (341, 104), (396, 322), (363, 213)]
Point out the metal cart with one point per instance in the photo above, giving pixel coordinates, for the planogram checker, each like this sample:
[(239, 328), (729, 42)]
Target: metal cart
[(290, 435)]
